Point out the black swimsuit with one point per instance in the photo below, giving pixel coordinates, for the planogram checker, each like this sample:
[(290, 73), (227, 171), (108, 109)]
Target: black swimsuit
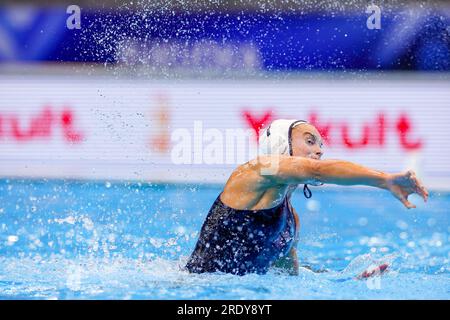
[(243, 241)]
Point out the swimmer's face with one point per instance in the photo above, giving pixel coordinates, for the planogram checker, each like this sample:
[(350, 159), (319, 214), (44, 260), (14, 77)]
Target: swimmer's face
[(306, 142)]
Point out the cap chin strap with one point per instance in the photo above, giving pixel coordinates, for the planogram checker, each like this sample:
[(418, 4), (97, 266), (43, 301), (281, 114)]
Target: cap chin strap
[(306, 191)]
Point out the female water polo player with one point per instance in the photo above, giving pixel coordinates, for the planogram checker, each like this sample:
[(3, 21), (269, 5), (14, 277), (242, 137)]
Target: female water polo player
[(252, 225)]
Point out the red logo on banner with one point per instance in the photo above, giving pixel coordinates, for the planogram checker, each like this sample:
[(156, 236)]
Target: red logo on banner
[(373, 133), (257, 123), (40, 126), (161, 116)]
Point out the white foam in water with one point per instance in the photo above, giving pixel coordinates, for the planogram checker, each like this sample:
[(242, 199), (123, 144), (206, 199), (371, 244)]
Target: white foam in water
[(122, 278), (313, 205), (114, 252), (12, 239)]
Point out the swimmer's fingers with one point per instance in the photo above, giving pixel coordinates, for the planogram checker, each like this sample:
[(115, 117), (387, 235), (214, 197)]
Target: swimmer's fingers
[(403, 197), (419, 188), (402, 185), (406, 203), (373, 271)]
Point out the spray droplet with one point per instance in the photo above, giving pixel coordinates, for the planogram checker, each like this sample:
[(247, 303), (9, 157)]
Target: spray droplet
[(12, 239)]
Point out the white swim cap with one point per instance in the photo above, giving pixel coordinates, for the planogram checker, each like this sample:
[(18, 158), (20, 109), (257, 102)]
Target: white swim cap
[(276, 138)]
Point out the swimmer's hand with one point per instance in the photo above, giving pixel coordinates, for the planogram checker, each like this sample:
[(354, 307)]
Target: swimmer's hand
[(403, 184)]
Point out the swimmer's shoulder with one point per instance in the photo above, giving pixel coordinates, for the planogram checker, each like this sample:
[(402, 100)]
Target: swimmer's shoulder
[(254, 172), (248, 188)]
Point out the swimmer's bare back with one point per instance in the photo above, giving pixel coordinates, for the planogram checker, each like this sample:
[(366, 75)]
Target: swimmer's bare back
[(250, 187)]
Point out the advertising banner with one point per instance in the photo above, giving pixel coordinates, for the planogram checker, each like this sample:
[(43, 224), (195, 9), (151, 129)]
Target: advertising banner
[(199, 131)]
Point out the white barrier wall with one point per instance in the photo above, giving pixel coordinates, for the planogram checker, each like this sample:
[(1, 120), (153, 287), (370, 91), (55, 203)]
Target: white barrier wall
[(104, 128)]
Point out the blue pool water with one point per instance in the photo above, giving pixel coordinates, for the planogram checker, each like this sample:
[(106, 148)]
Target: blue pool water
[(102, 240)]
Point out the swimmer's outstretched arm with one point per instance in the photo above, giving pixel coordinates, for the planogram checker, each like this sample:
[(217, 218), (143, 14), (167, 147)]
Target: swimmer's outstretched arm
[(290, 170)]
